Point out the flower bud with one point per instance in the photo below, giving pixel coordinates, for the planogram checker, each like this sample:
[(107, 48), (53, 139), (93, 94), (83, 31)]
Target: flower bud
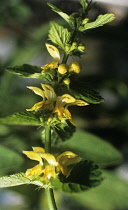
[(81, 48), (74, 67), (74, 44), (85, 21), (66, 81), (63, 68)]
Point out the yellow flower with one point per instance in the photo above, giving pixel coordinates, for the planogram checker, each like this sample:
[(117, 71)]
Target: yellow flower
[(39, 155), (56, 104), (65, 159), (48, 95), (74, 67), (66, 81), (53, 51), (62, 104), (52, 166), (62, 68)]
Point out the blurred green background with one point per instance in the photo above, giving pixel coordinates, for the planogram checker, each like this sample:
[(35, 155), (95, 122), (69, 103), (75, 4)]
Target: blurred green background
[(24, 26)]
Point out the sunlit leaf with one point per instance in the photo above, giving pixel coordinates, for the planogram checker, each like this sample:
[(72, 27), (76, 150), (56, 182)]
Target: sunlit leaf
[(84, 4), (66, 17), (100, 21), (59, 35)]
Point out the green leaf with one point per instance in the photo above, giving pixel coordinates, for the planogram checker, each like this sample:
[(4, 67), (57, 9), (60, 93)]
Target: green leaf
[(21, 118), (91, 147), (112, 194), (9, 159), (19, 179), (84, 4), (13, 180), (83, 92), (65, 130), (100, 21), (27, 70), (83, 176), (59, 35), (66, 17)]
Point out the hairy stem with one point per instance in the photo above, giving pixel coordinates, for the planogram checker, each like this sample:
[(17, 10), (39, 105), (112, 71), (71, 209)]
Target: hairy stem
[(48, 191)]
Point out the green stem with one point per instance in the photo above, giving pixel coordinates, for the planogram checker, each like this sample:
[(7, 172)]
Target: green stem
[(51, 199), (65, 58), (47, 139), (49, 191)]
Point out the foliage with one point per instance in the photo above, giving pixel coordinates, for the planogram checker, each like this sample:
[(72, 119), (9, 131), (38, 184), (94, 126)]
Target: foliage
[(92, 147), (107, 196)]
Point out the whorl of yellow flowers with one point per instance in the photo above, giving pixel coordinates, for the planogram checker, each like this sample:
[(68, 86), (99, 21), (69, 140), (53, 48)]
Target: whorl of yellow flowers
[(57, 105), (49, 165)]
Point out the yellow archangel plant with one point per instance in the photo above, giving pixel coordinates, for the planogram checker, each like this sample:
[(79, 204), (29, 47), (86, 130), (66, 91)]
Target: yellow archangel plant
[(49, 165), (65, 171)]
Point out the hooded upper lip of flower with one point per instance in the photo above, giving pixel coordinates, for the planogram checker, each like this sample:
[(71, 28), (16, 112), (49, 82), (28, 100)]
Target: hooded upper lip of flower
[(62, 104), (54, 165), (48, 95), (54, 52)]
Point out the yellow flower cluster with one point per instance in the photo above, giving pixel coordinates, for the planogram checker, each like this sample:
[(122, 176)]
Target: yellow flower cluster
[(56, 104), (49, 165), (73, 67)]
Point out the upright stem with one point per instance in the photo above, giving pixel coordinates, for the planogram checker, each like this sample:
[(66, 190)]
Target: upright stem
[(51, 199), (47, 139), (65, 58), (49, 191)]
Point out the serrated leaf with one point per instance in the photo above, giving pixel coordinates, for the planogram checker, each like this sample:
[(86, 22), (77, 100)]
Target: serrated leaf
[(100, 21), (13, 180), (59, 35), (110, 195), (83, 92), (27, 70), (91, 147), (19, 179), (83, 176), (9, 159), (21, 118), (66, 17)]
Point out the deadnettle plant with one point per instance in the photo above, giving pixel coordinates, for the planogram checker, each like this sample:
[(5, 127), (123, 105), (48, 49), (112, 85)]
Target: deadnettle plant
[(57, 168)]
